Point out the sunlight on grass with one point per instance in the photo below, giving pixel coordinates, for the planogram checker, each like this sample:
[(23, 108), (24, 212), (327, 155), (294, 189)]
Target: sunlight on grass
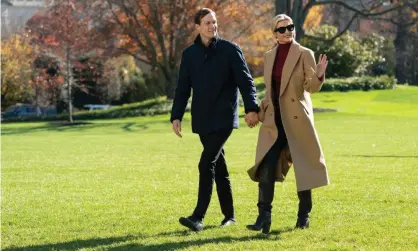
[(122, 184)]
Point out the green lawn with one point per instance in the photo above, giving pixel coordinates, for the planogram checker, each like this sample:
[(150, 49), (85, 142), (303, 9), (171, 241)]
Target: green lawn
[(123, 184)]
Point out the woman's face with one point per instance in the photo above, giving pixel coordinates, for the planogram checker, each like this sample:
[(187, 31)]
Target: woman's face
[(284, 31)]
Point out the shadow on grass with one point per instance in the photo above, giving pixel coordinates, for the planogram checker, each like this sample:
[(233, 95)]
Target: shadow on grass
[(76, 126), (75, 244), (184, 232), (380, 156), (189, 244), (98, 242)]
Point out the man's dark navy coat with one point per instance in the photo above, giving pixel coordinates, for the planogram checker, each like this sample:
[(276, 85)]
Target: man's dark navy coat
[(215, 74)]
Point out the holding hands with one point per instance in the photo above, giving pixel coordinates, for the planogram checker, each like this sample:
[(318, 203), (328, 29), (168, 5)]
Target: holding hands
[(251, 119)]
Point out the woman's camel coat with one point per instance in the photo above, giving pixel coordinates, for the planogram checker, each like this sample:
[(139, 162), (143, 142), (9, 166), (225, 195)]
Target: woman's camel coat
[(298, 81)]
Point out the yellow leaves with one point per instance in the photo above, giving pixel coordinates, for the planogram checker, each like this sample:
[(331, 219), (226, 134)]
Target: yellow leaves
[(314, 17), (17, 57), (414, 15)]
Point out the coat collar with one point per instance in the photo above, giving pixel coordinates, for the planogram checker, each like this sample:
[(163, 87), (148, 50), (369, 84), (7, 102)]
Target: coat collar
[(290, 63), (212, 45)]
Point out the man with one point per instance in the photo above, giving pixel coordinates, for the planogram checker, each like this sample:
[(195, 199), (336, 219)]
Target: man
[(215, 69)]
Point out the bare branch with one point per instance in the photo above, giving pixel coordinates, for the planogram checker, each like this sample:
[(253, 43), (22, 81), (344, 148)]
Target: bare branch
[(149, 47), (136, 56), (243, 31), (413, 6), (142, 30), (359, 12), (390, 20), (340, 33), (158, 27), (307, 7)]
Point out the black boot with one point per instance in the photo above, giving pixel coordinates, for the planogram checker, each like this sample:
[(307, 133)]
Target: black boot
[(302, 223), (263, 223), (305, 207), (265, 194)]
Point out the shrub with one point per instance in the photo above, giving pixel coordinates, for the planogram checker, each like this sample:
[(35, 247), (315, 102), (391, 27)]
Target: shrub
[(347, 55), (365, 83)]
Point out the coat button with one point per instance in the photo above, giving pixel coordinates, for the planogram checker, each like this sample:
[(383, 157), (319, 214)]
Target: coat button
[(295, 117), (293, 100)]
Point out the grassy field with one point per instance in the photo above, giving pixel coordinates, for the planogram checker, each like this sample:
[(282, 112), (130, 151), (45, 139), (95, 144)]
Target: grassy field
[(122, 184)]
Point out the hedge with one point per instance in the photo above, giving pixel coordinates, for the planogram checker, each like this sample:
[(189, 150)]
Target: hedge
[(366, 83)]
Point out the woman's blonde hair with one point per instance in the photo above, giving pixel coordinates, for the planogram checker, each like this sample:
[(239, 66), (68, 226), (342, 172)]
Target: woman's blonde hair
[(279, 18)]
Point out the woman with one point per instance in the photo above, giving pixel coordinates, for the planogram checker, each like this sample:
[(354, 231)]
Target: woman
[(287, 134)]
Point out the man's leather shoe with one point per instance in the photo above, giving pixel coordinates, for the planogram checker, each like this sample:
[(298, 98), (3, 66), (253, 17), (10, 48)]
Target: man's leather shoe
[(302, 223), (191, 223), (228, 221)]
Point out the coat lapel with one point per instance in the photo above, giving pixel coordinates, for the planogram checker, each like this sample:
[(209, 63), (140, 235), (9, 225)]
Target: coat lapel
[(291, 60), (270, 57)]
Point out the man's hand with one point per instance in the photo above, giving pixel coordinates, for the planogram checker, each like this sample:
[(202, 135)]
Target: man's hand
[(177, 127), (251, 119)]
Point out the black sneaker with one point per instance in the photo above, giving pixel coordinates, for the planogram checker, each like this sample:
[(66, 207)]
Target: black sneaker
[(228, 222), (191, 223)]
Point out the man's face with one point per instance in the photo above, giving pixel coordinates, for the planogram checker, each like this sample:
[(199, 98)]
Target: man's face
[(208, 27)]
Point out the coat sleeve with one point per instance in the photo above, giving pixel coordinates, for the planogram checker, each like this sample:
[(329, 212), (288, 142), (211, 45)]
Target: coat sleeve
[(312, 82), (182, 93), (244, 80)]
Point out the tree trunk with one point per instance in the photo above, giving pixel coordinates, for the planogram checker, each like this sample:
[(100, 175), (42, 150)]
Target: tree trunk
[(37, 91), (401, 42), (171, 82), (298, 18), (283, 7), (69, 85)]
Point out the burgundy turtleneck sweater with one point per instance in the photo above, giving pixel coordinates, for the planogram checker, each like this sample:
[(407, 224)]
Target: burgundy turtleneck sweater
[(281, 55)]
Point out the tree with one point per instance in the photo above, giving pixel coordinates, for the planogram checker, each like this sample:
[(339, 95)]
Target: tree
[(62, 33), (17, 56), (88, 72), (404, 24), (156, 32), (118, 73), (298, 10), (46, 82)]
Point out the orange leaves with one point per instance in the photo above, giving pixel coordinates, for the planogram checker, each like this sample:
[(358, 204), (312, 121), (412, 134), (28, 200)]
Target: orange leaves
[(51, 40), (249, 27), (314, 17)]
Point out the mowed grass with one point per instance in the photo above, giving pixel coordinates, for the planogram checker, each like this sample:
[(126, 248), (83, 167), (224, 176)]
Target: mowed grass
[(123, 184)]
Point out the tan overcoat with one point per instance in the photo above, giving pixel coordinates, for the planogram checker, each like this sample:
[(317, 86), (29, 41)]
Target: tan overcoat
[(298, 81)]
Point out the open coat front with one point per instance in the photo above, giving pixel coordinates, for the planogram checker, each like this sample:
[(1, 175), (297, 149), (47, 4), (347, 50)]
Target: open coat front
[(298, 81)]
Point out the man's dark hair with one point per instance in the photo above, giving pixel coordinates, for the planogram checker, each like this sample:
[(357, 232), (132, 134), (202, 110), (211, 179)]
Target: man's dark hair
[(201, 13)]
